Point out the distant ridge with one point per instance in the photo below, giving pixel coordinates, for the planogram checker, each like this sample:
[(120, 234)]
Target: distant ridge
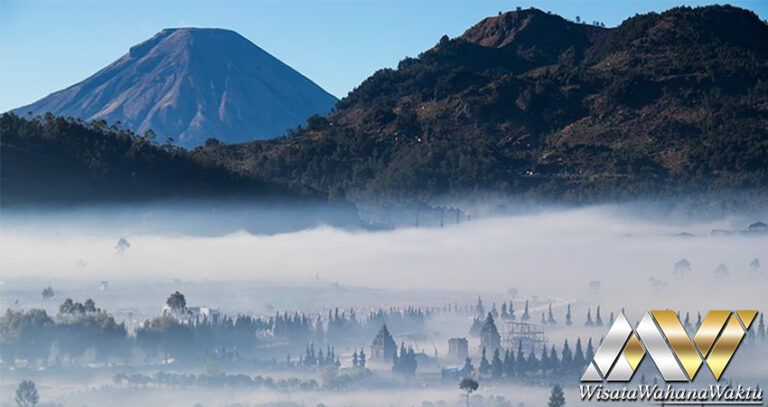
[(532, 105), (191, 84)]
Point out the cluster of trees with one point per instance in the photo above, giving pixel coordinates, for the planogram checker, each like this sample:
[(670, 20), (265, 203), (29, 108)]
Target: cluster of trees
[(358, 359), (596, 23), (330, 379), (404, 361), (79, 332), (682, 269), (340, 325), (72, 308), (224, 338), (176, 334), (407, 319), (219, 380), (299, 328), (314, 359), (548, 364), (487, 329), (598, 321), (507, 313), (54, 160)]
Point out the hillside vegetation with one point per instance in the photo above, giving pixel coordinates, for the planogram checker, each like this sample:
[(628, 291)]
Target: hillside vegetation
[(530, 104), (53, 160)]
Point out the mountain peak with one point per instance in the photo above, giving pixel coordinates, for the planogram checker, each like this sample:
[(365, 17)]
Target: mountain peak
[(535, 105), (521, 26), (724, 25), (189, 84), (210, 41)]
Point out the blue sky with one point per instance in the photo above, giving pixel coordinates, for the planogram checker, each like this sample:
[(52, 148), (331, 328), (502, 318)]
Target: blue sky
[(48, 45)]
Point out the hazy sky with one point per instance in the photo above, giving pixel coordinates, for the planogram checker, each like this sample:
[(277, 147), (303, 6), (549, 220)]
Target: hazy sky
[(48, 45)]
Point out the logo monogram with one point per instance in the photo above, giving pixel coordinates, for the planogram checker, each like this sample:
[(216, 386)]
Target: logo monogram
[(677, 357)]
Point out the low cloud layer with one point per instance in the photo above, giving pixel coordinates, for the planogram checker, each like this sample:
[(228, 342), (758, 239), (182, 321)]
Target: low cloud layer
[(555, 254)]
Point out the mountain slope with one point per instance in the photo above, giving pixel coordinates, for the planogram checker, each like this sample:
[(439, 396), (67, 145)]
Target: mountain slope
[(190, 84), (54, 161), (528, 103)]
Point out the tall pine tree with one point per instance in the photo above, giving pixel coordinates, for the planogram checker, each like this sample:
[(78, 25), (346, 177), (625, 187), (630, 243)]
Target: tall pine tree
[(497, 366), (556, 398)]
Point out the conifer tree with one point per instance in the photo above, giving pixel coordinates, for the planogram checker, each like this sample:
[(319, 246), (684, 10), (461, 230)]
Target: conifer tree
[(589, 318), (497, 366), (568, 317), (556, 398), (468, 369), (532, 364), (578, 356), (566, 357), (544, 359), (590, 353), (405, 363), (509, 363), (554, 363), (479, 309), (476, 328), (485, 367), (598, 318), (489, 334), (526, 316), (551, 317), (522, 366)]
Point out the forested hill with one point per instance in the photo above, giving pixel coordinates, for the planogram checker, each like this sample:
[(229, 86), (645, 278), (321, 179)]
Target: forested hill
[(52, 160), (534, 105)]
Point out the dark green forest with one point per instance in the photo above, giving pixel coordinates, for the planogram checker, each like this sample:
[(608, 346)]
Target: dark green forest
[(61, 160)]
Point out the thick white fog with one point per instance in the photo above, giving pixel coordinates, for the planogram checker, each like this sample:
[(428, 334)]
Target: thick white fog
[(551, 253), (615, 257)]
